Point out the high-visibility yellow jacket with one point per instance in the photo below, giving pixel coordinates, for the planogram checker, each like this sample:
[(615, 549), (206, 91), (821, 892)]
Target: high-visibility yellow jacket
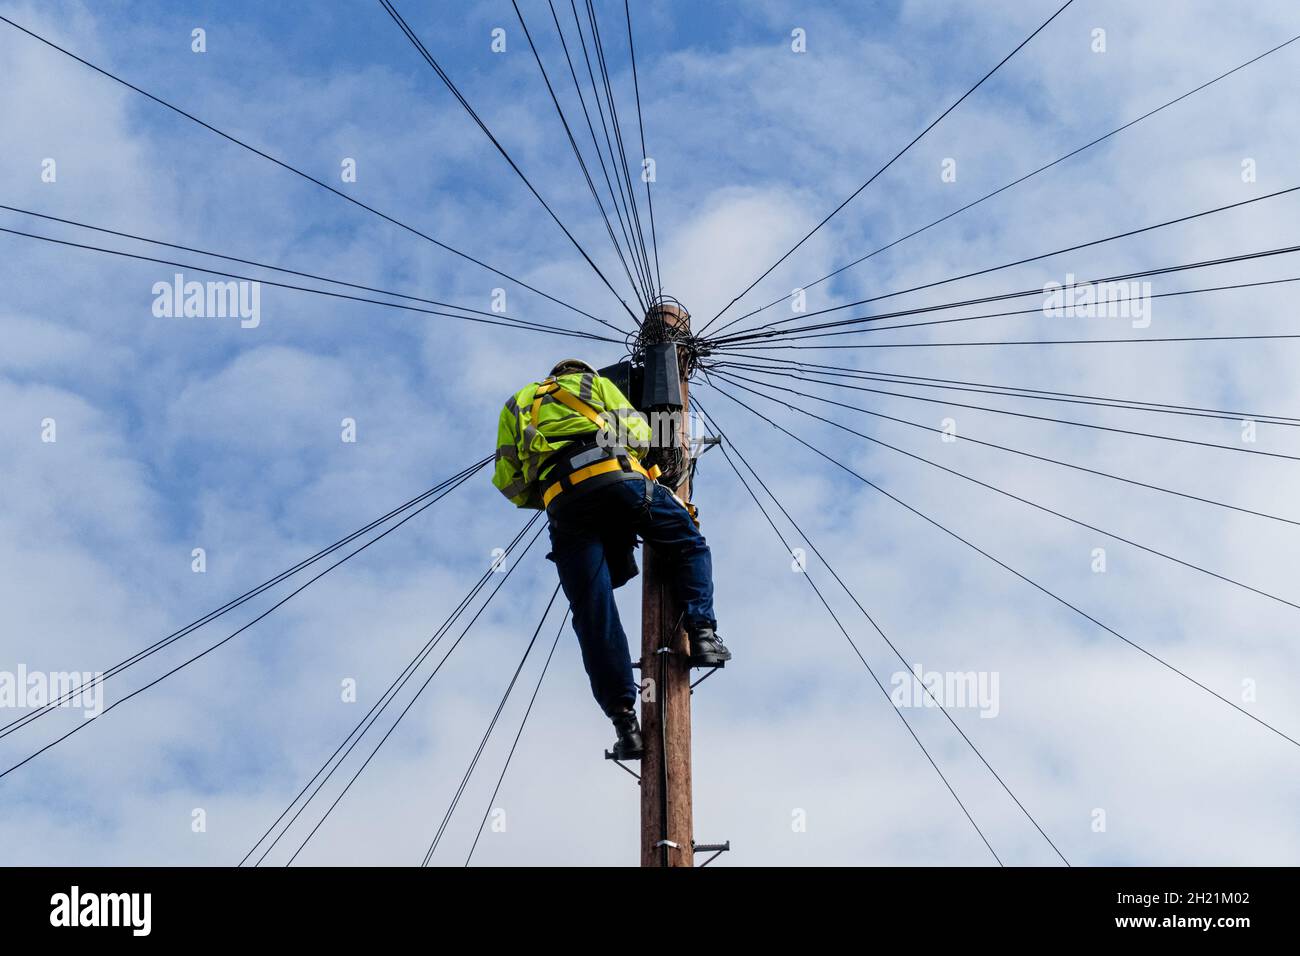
[(532, 427)]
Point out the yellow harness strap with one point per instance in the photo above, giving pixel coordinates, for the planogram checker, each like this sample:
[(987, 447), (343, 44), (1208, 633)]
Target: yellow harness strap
[(591, 471), (571, 401), (544, 389), (567, 399)]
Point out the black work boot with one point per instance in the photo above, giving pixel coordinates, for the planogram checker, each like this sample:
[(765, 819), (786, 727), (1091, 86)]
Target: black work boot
[(707, 649), (629, 745)]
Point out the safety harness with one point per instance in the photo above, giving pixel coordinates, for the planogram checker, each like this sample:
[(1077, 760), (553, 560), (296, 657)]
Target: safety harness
[(584, 460)]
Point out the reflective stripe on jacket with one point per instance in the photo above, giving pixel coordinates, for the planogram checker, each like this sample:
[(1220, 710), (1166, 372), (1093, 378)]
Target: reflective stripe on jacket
[(524, 444)]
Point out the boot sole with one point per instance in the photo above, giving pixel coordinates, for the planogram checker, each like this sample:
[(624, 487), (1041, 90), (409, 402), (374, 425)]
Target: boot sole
[(611, 755), (707, 660)]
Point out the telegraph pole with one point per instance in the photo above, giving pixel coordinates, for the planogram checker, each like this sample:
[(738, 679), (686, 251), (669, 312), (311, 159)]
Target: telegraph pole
[(666, 820)]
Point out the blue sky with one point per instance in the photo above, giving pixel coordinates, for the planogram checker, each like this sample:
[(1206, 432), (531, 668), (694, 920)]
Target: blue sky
[(176, 434)]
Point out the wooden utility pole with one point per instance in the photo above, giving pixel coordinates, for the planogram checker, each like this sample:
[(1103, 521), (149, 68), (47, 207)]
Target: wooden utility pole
[(666, 820)]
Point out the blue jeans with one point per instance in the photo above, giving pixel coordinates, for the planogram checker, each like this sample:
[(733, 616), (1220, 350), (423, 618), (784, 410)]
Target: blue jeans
[(580, 529)]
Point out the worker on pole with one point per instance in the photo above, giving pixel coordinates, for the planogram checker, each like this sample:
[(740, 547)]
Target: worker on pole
[(575, 446)]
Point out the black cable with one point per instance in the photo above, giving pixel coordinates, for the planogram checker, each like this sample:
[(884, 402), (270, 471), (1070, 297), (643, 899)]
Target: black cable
[(527, 712), (876, 627), (515, 743), (1016, 182), (1028, 259), (1055, 421), (496, 316), (233, 635), (487, 734), (1164, 270), (901, 378), (418, 692), (377, 709), (1028, 501), (640, 121), (1037, 395), (582, 163), (20, 722), (1060, 600), (852, 644), (298, 172), (1049, 460), (599, 46), (600, 157), (599, 568), (891, 162), (941, 345), (624, 224), (620, 201), (1014, 312), (511, 324), (442, 75)]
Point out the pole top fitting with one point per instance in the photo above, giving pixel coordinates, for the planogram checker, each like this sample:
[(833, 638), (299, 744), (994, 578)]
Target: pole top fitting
[(667, 320), (669, 312)]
